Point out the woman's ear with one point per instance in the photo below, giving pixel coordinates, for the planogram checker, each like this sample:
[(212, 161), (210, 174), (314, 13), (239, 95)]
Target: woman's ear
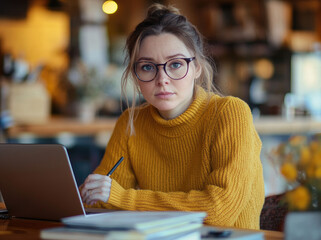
[(198, 70)]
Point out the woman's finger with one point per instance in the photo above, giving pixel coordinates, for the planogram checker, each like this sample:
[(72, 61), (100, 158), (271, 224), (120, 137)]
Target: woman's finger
[(98, 197), (95, 182), (96, 188), (95, 177)]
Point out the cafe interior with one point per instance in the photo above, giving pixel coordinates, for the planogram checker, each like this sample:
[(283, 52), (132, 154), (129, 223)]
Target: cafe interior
[(61, 62)]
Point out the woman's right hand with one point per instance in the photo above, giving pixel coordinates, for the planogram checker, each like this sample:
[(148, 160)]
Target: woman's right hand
[(95, 188)]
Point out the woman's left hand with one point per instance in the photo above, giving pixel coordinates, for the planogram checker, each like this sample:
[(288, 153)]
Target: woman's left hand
[(95, 188)]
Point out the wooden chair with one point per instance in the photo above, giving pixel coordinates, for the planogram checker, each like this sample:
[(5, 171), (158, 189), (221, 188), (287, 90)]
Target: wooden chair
[(273, 213)]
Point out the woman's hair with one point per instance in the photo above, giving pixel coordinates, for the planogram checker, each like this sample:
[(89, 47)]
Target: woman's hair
[(161, 19)]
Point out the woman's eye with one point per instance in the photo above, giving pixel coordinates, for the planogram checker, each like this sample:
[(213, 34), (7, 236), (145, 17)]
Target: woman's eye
[(175, 65), (147, 67)]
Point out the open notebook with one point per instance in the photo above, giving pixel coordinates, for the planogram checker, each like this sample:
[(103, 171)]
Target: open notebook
[(37, 181)]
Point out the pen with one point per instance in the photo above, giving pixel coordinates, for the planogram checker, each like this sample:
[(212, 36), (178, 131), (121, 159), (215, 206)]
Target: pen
[(115, 166), (216, 233)]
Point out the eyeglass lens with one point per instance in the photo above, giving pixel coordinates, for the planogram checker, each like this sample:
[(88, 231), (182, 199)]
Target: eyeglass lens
[(174, 68)]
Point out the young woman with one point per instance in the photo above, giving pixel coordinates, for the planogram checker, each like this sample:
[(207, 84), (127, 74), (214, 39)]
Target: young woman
[(187, 148)]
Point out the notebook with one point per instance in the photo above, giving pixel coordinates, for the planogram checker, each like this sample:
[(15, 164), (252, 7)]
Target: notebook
[(135, 220), (37, 181), (144, 225)]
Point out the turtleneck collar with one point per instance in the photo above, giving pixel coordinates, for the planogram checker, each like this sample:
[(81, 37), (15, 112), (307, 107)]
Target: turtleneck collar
[(184, 122)]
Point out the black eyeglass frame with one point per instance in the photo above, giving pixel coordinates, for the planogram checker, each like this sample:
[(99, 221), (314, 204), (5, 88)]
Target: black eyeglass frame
[(188, 60)]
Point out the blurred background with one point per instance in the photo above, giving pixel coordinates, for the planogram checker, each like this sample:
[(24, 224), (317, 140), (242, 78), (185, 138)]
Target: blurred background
[(61, 63)]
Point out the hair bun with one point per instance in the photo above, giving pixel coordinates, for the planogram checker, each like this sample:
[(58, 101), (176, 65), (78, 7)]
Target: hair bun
[(158, 10)]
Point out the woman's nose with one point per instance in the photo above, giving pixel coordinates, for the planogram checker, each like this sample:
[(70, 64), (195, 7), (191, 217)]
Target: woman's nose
[(162, 78)]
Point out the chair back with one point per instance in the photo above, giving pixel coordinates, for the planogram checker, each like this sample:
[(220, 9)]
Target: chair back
[(273, 213)]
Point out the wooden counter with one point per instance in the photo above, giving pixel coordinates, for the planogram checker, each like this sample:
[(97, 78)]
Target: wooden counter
[(56, 125), (278, 125)]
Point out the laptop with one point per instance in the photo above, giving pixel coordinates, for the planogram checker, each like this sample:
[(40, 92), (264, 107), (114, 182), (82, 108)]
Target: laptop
[(37, 181)]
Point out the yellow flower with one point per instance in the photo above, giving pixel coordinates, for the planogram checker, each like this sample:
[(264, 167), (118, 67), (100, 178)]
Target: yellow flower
[(317, 172), (299, 198), (305, 155), (316, 158), (310, 171), (289, 171), (297, 140)]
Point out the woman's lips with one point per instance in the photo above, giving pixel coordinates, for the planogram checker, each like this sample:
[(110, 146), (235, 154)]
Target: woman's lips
[(164, 95)]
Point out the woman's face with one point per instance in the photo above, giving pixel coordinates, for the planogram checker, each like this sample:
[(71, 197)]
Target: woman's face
[(170, 97)]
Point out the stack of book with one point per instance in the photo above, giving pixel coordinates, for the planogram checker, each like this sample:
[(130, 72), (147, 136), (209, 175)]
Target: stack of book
[(127, 225)]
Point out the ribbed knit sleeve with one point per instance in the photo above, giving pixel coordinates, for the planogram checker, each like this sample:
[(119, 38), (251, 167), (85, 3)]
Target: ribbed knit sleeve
[(212, 166), (118, 147), (235, 183)]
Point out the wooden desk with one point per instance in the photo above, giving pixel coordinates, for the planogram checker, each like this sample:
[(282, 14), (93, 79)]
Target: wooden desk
[(26, 229)]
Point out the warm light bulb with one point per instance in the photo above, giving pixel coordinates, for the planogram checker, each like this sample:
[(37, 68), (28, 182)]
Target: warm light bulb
[(110, 7)]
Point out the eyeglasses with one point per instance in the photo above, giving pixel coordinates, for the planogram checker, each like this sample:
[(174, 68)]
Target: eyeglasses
[(176, 69)]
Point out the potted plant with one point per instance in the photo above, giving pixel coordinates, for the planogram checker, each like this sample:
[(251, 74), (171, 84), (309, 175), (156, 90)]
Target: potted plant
[(299, 159)]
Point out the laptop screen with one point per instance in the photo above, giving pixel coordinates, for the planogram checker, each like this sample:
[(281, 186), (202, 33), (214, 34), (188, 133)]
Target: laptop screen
[(37, 181)]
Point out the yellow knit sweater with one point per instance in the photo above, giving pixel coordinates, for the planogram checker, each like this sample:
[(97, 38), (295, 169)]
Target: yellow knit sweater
[(206, 159)]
